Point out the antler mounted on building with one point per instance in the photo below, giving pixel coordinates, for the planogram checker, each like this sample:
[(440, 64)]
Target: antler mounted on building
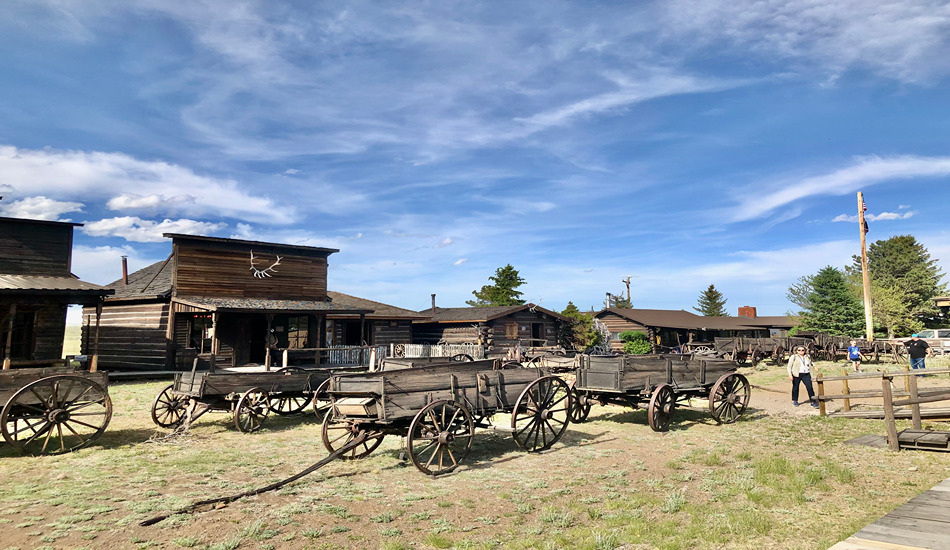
[(266, 272)]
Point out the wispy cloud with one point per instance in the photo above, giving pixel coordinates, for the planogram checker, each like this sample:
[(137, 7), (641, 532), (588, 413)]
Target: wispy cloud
[(39, 208), (874, 217), (132, 228), (864, 172)]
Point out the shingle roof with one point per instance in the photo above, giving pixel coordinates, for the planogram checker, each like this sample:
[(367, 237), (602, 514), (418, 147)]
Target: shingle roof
[(478, 314), (380, 310), (43, 282), (678, 318), (258, 304), (153, 281)]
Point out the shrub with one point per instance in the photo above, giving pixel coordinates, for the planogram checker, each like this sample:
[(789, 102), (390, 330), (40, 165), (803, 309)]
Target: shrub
[(635, 342)]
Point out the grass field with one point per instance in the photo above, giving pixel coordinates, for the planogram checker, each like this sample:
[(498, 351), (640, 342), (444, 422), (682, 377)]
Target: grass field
[(772, 480)]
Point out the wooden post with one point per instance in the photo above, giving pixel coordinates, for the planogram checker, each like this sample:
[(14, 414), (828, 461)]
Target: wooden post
[(8, 345), (892, 442), (821, 395), (94, 362), (214, 340), (284, 357), (171, 350), (372, 360), (270, 320), (362, 334), (865, 278), (846, 390), (914, 407)]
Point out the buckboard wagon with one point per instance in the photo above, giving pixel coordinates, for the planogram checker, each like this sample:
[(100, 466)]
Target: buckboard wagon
[(53, 410), (249, 395), (662, 381), (438, 407)]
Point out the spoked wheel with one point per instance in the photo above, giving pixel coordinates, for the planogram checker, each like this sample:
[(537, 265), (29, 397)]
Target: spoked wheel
[(56, 415), (440, 437), (168, 409), (462, 357), (321, 400), (542, 413), (284, 404), (336, 434), (662, 403), (251, 410), (582, 404), (729, 398)]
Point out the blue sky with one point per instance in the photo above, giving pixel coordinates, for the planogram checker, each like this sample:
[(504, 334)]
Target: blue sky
[(682, 143)]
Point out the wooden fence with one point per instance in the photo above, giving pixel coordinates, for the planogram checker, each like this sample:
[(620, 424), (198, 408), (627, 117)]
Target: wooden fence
[(415, 351), (887, 378)]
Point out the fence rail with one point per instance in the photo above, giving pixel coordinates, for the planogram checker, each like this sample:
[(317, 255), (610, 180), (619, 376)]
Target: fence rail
[(414, 351)]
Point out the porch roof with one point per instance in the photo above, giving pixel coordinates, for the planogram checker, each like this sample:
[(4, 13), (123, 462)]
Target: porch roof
[(263, 305), (75, 290)]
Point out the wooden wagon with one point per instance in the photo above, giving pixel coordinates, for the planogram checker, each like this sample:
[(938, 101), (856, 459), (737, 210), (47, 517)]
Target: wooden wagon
[(662, 381), (438, 407), (53, 410), (250, 396)]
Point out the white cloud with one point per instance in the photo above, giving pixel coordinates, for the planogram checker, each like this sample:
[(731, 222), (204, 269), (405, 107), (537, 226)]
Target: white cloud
[(132, 228), (444, 243), (103, 264), (761, 200), (874, 217), (97, 175), (460, 261), (39, 208)]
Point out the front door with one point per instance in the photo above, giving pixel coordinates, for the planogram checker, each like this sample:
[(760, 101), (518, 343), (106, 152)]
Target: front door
[(257, 339)]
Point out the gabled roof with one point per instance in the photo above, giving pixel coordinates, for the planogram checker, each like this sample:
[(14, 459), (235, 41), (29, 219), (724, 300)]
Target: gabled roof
[(773, 321), (154, 281), (379, 309), (669, 318), (480, 314)]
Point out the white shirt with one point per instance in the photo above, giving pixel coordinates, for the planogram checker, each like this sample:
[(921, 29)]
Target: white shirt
[(803, 363)]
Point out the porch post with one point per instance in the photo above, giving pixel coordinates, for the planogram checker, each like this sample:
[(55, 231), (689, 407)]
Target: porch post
[(214, 339), (362, 334), (8, 345), (267, 340), (171, 350), (94, 362)]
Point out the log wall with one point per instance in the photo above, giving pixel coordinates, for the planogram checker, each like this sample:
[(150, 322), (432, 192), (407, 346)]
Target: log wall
[(617, 324), (49, 328), (391, 332), (131, 337)]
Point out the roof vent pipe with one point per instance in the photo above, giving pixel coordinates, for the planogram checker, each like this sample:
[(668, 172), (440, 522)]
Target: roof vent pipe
[(125, 271), (433, 304)]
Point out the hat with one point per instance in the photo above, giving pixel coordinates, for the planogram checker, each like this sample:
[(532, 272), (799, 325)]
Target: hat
[(913, 335)]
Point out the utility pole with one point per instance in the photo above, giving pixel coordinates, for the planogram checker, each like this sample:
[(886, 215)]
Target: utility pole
[(627, 282), (866, 279)]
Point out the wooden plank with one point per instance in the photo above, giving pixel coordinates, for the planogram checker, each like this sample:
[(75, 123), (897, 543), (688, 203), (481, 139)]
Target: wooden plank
[(896, 535), (855, 543)]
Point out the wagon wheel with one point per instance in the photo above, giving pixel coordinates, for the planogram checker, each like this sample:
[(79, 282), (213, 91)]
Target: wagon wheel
[(168, 409), (56, 415), (832, 352), (778, 355), (251, 410), (321, 400), (729, 398), (507, 365), (542, 413), (440, 437), (702, 349), (582, 404), (462, 357), (662, 403), (336, 434), (535, 362)]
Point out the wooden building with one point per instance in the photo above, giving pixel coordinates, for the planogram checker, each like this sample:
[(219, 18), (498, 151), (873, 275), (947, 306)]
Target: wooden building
[(497, 328), (36, 287), (669, 329), (238, 302)]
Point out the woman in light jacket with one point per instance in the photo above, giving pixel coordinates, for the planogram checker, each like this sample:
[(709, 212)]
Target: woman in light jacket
[(799, 370)]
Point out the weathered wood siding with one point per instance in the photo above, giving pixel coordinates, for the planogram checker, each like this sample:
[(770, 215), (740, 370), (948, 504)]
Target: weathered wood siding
[(131, 337), (433, 333), (525, 321), (391, 332), (35, 248), (617, 324), (202, 269), (46, 336)]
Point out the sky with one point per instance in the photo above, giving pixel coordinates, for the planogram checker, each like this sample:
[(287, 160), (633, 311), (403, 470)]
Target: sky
[(679, 143)]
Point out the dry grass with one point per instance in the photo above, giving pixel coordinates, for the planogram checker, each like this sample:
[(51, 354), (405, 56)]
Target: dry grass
[(610, 483)]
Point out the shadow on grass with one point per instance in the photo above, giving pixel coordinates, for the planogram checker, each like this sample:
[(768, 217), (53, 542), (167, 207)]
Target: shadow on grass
[(110, 439)]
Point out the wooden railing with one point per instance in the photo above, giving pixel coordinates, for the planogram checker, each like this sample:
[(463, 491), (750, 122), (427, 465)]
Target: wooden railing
[(414, 351), (367, 356), (848, 395)]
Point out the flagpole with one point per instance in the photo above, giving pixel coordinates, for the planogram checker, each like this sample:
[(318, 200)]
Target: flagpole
[(866, 280)]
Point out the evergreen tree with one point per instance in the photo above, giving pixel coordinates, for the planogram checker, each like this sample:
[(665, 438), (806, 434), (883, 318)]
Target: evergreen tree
[(712, 303), (579, 333), (903, 276), (503, 292), (619, 300), (833, 307)]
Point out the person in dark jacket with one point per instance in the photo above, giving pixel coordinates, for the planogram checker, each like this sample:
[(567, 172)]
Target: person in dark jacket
[(918, 350)]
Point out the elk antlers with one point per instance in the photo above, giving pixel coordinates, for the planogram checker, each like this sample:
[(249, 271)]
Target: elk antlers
[(266, 272)]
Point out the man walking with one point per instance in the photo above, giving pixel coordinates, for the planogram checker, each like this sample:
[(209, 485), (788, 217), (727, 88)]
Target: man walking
[(918, 350)]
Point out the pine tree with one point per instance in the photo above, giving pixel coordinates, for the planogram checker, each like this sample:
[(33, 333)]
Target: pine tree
[(503, 292), (711, 303), (579, 333), (619, 300), (833, 306)]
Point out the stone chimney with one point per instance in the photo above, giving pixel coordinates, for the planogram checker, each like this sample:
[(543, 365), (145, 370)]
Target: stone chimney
[(433, 304), (747, 311), (125, 271)]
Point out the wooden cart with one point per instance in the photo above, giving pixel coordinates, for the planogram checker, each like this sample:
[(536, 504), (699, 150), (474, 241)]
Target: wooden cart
[(250, 396), (53, 410), (662, 381), (438, 407)]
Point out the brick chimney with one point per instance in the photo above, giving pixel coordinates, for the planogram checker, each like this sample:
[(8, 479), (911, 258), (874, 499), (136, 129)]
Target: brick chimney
[(747, 311), (125, 271)]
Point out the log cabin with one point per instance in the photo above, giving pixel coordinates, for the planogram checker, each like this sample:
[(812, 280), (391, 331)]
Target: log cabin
[(231, 302), (36, 288), (499, 329)]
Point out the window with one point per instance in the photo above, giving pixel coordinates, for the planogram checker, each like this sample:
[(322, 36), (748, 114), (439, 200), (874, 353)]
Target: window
[(943, 334), (201, 333), (298, 329), (511, 331), (21, 345)]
